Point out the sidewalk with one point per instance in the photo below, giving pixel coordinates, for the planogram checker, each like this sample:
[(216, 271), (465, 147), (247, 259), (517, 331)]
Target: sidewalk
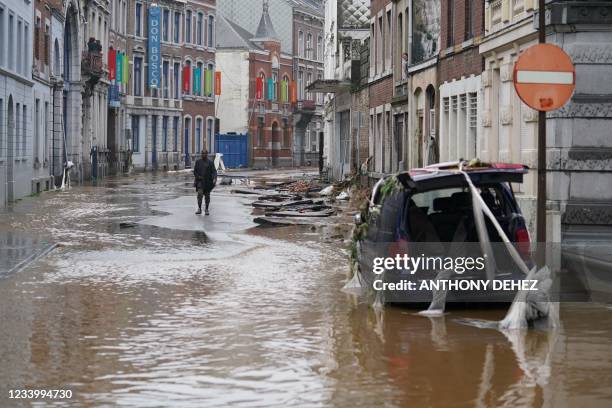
[(19, 250)]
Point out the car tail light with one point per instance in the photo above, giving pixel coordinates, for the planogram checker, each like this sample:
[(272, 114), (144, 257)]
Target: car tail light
[(399, 247), (523, 242)]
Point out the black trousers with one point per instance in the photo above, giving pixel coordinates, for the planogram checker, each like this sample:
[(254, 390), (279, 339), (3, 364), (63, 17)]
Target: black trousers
[(206, 195)]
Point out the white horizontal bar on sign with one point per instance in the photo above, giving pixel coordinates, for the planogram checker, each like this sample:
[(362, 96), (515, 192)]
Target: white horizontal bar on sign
[(545, 77)]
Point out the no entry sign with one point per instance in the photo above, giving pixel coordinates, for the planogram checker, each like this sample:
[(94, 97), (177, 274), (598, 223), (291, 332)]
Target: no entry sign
[(544, 77)]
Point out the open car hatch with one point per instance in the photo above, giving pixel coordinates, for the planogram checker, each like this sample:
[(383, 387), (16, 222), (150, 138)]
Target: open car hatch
[(447, 175)]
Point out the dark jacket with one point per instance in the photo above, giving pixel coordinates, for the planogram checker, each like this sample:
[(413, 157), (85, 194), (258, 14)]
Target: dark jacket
[(205, 174)]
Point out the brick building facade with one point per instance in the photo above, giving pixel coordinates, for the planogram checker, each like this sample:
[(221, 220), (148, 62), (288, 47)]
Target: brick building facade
[(459, 71), (255, 98)]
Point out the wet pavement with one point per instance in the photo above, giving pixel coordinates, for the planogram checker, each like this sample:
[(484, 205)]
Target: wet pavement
[(145, 304)]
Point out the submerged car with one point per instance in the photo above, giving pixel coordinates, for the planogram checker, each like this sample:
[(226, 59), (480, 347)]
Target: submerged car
[(429, 214)]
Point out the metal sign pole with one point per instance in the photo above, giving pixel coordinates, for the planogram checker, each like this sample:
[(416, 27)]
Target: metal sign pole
[(541, 204)]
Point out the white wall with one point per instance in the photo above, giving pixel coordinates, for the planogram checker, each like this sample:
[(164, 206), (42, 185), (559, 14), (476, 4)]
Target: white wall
[(232, 106)]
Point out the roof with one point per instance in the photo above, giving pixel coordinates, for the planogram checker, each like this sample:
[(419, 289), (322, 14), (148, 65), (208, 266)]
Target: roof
[(231, 35), (265, 30), (314, 7)]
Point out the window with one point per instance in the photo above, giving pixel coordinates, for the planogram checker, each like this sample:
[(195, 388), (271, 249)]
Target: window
[(308, 82), (309, 46), (154, 135), (45, 132), (300, 44), (36, 39), (468, 21), (137, 76), (320, 48), (275, 85), (26, 45), (165, 79), (165, 134), (24, 127), (211, 80), (188, 26), (138, 27), (300, 85), (177, 27), (19, 46), (209, 134), (135, 133), (177, 82), (37, 130), (47, 45), (372, 49), (191, 72), (388, 42), (197, 80), (198, 135), (380, 46), (166, 25), (211, 30), (450, 26), (200, 29), (175, 131), (2, 41)]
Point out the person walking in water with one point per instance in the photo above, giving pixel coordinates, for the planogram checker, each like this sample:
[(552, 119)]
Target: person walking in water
[(205, 180)]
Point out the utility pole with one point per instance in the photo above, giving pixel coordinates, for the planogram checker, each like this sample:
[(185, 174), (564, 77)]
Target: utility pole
[(541, 199)]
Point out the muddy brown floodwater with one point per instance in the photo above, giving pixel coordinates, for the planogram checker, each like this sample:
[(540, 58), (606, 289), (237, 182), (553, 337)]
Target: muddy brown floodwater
[(145, 305)]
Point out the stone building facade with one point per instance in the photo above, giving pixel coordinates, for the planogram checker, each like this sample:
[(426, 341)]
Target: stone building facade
[(508, 126), (16, 100)]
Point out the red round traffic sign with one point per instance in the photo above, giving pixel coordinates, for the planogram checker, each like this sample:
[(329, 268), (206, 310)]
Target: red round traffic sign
[(544, 77)]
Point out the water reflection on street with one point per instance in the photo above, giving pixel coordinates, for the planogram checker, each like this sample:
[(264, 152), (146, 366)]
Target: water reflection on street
[(130, 311)]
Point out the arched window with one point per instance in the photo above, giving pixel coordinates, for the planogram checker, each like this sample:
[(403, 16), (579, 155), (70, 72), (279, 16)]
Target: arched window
[(309, 46), (320, 48), (188, 26), (210, 129), (301, 44), (198, 80), (200, 29), (211, 31), (210, 80), (56, 59), (275, 85), (198, 135), (192, 71)]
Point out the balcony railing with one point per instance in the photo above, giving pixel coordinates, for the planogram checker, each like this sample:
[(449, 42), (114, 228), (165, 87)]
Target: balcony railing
[(92, 64)]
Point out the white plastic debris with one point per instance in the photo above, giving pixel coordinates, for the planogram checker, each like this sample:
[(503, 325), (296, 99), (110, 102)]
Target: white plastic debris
[(343, 196), (353, 286), (327, 191)]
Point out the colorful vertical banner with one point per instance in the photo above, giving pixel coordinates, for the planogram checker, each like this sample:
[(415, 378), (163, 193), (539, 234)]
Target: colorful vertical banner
[(293, 92), (270, 89), (284, 91), (218, 83), (154, 48), (208, 84), (112, 64), (119, 68), (197, 81), (126, 69), (259, 88), (186, 77)]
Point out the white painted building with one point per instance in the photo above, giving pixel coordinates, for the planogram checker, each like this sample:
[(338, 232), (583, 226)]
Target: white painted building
[(16, 99)]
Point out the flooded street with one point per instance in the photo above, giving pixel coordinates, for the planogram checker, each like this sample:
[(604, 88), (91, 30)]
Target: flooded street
[(145, 304)]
